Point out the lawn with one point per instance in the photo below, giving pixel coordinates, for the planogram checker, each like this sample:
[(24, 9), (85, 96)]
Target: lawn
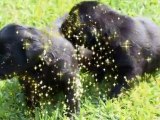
[(142, 102)]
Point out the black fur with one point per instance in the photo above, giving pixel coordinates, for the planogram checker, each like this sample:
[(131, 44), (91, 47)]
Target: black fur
[(43, 61), (122, 47)]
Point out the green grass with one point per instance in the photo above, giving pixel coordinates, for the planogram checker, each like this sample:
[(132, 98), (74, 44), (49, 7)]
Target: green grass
[(142, 102)]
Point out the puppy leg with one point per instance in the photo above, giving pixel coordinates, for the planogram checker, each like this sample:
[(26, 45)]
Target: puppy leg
[(72, 93), (124, 74), (32, 99), (116, 90)]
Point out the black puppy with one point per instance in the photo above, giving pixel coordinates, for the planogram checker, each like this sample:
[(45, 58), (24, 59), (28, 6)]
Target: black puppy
[(43, 61), (121, 46)]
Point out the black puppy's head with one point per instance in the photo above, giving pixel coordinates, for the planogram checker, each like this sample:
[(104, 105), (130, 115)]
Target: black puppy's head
[(75, 29), (81, 26), (92, 24), (19, 45)]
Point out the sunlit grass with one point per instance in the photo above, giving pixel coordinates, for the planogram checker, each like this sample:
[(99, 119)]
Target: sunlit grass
[(142, 102)]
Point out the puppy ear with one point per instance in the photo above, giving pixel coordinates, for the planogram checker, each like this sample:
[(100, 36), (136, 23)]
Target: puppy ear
[(33, 45)]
